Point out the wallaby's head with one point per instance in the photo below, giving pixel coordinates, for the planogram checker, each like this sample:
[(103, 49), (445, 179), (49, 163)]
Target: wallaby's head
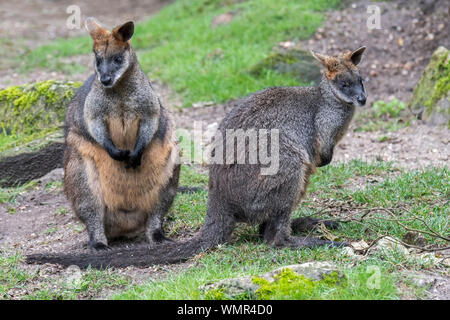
[(342, 74), (112, 49)]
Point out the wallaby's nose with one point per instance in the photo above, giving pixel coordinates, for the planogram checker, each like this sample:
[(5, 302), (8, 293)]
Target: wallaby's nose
[(362, 100), (106, 80)]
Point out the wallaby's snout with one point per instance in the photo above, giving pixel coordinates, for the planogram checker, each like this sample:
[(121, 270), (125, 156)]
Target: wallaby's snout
[(343, 77), (362, 100), (113, 55)]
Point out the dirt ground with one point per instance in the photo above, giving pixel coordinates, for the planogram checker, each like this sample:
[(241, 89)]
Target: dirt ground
[(395, 59)]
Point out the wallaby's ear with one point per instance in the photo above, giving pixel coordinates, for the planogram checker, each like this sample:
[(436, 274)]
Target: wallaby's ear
[(93, 27), (320, 57), (124, 32), (356, 55)]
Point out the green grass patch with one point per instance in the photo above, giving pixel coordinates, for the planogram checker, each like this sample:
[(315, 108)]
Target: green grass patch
[(204, 63)]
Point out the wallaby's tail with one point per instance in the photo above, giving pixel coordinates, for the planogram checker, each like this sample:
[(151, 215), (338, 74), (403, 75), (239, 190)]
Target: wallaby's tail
[(215, 231)]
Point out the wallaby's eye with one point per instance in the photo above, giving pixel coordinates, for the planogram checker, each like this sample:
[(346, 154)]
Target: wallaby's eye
[(98, 60), (118, 60)]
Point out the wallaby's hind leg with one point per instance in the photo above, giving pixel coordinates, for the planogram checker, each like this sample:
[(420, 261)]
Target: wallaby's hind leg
[(306, 224), (276, 231), (86, 199), (154, 230)]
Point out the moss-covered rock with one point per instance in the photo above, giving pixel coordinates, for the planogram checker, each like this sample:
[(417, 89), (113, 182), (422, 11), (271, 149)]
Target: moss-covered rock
[(299, 64), (431, 97), (36, 107), (31, 136)]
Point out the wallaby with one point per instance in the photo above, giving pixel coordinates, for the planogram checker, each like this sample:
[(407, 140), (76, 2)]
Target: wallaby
[(310, 120), (121, 158)]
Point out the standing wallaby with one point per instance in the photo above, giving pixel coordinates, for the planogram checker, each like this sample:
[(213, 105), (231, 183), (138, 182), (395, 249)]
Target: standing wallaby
[(121, 171), (310, 120)]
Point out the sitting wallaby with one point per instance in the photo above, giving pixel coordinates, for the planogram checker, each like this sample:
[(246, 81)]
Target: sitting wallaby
[(310, 120), (121, 158)]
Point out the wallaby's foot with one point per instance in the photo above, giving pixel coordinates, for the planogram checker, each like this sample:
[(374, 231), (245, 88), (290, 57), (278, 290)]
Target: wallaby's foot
[(308, 242), (308, 224)]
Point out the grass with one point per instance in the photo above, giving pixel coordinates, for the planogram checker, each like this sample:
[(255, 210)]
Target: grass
[(254, 258), (204, 63)]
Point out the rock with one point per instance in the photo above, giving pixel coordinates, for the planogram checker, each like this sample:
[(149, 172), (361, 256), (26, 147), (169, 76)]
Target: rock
[(431, 96), (429, 258), (238, 287), (233, 287), (442, 114), (359, 245), (298, 63), (419, 279), (314, 270), (437, 287)]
